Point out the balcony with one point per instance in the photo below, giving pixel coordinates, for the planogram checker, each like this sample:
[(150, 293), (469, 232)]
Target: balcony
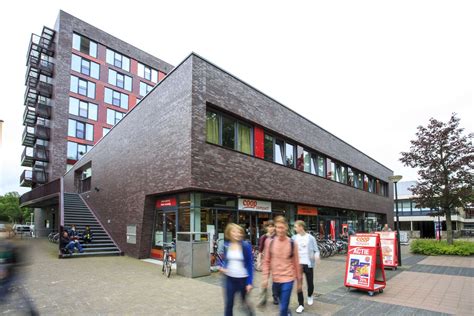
[(43, 66), (39, 82), (30, 134), (43, 44), (31, 155), (41, 104), (29, 116), (33, 177), (40, 193)]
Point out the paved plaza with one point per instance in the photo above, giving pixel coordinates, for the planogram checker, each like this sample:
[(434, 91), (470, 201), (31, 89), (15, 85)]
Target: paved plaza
[(127, 286)]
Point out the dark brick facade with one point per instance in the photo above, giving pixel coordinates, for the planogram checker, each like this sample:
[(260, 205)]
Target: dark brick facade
[(159, 147)]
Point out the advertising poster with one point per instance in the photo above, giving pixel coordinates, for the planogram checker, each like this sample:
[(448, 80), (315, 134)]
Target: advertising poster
[(388, 252), (359, 267)]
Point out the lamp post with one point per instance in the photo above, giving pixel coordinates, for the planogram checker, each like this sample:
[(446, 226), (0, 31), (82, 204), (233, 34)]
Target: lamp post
[(396, 179)]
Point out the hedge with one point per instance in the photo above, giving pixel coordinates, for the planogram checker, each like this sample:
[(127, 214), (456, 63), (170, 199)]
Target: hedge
[(433, 247)]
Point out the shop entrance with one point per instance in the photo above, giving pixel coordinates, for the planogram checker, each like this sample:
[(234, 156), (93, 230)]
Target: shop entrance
[(165, 232), (253, 223)]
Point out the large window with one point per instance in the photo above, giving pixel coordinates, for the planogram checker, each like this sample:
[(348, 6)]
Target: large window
[(75, 151), (340, 173), (268, 147), (105, 131), (120, 80), (85, 66), (84, 45), (228, 132), (82, 87), (113, 117), (81, 108), (279, 151), (147, 73), (331, 169), (118, 60), (145, 88), (116, 98), (289, 155), (80, 130)]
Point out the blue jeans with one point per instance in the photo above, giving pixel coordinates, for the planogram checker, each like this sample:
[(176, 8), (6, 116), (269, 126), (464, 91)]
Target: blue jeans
[(72, 245), (283, 291), (232, 286)]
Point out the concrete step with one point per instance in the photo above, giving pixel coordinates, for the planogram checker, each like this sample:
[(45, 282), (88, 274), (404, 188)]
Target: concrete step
[(90, 254)]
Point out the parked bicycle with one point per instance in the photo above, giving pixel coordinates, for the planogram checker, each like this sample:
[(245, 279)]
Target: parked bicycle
[(53, 237), (217, 256), (168, 260)]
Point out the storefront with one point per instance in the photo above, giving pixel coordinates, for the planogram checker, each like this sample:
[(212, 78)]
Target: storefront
[(210, 213)]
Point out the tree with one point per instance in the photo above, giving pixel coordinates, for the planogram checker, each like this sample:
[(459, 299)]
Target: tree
[(10, 208), (444, 156)]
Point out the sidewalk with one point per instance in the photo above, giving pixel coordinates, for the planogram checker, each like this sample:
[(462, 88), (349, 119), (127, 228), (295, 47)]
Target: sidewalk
[(127, 286)]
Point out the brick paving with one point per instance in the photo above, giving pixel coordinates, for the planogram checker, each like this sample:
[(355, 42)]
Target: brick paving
[(449, 261), (126, 286)]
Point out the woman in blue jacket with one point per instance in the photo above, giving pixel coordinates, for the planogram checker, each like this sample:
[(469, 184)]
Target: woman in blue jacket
[(237, 266)]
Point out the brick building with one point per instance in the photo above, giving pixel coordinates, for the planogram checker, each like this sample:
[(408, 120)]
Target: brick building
[(204, 148)]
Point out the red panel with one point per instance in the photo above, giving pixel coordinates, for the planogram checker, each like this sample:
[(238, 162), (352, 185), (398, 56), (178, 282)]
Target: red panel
[(161, 75), (258, 142), (166, 202)]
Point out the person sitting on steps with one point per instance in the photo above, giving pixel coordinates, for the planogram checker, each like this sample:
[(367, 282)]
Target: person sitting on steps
[(67, 245), (87, 235)]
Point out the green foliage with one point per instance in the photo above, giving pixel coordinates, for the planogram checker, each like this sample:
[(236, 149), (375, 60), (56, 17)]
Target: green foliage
[(10, 208), (431, 247)]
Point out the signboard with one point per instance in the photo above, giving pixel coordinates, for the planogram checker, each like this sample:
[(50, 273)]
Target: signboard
[(364, 266), (166, 202), (307, 210), (388, 241), (333, 229), (404, 237), (255, 205), (438, 229)]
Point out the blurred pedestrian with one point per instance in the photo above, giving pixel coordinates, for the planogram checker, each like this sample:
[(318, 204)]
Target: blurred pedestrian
[(308, 255), (11, 258), (237, 267), (280, 258)]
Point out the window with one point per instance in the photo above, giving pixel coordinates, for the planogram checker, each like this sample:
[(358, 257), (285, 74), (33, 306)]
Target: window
[(279, 151), (321, 166), (84, 45), (350, 177), (331, 170), (371, 185), (290, 155), (116, 98), (80, 130), (366, 183), (314, 164), (85, 66), (82, 108), (212, 128), (147, 73), (105, 131), (118, 60), (83, 87), (341, 175), (113, 117), (268, 147), (75, 151), (120, 80), (145, 88), (244, 139), (307, 161), (228, 132)]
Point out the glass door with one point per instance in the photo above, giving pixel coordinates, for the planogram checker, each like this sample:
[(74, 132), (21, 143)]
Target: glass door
[(164, 232)]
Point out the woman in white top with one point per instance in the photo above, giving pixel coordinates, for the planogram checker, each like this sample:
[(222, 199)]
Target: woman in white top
[(237, 266), (308, 254)]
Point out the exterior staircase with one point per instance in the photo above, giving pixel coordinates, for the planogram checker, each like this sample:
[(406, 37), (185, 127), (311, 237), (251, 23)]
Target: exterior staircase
[(78, 213)]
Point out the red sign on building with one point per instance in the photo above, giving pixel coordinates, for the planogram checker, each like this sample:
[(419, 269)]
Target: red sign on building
[(166, 202), (307, 210)]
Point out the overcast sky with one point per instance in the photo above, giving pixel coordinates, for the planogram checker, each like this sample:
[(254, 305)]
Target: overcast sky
[(369, 72)]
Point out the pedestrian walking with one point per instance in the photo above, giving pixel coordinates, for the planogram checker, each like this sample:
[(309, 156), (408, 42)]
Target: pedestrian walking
[(237, 267), (280, 258), (270, 233), (308, 256)]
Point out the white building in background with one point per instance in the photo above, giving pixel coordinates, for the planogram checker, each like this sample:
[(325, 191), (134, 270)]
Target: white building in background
[(418, 222)]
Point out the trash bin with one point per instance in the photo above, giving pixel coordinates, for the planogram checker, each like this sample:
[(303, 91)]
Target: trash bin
[(192, 254)]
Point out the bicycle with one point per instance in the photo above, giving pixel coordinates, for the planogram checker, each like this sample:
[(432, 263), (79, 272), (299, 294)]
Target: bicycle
[(167, 259), (216, 258)]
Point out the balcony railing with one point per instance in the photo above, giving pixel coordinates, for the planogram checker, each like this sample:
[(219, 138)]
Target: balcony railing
[(42, 191), (30, 134), (37, 81), (29, 116), (42, 44), (37, 153), (33, 177), (43, 66)]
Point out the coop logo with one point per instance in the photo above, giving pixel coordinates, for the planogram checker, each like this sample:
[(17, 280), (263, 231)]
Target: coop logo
[(250, 203), (362, 239)]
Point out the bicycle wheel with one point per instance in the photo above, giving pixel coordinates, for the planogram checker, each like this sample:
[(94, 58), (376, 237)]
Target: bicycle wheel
[(163, 266), (168, 268)]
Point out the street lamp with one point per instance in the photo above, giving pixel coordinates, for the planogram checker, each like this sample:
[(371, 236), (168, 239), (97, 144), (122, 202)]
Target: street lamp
[(396, 179)]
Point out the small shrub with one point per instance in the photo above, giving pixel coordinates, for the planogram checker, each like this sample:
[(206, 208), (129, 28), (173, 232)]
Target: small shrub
[(431, 247)]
